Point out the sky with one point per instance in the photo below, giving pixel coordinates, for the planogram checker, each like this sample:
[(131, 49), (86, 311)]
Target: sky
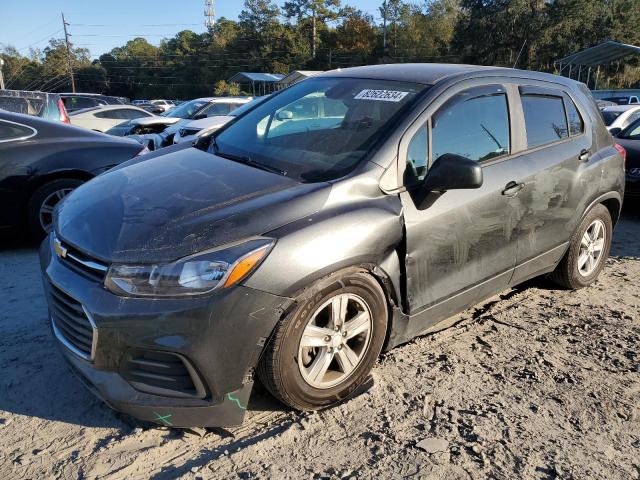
[(101, 25)]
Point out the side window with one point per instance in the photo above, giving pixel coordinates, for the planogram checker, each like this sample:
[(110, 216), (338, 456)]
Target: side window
[(417, 157), (544, 118), (110, 114), (130, 113), (473, 126), (576, 124), (14, 131)]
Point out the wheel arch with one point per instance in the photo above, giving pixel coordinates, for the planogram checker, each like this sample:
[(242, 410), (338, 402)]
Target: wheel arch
[(49, 177), (612, 201)]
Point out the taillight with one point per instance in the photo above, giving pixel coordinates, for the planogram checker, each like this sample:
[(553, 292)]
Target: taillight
[(622, 152), (63, 112)]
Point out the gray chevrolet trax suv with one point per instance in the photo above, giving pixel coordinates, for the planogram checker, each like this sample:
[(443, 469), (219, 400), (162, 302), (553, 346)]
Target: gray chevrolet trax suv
[(341, 217)]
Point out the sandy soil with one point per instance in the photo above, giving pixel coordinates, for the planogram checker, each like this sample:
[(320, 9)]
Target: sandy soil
[(540, 383)]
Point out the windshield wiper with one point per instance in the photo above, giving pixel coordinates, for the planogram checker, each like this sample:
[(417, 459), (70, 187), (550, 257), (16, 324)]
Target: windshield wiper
[(247, 160)]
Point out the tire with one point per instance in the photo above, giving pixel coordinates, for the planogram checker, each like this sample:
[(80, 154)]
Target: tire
[(572, 271), (284, 359), (50, 193)]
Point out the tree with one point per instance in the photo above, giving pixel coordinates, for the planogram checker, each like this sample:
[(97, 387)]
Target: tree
[(318, 11), (223, 88)]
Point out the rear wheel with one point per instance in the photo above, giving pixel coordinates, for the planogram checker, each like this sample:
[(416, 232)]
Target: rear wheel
[(323, 350), (44, 200), (588, 250)]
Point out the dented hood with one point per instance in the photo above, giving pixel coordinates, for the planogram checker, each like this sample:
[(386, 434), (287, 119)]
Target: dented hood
[(178, 204)]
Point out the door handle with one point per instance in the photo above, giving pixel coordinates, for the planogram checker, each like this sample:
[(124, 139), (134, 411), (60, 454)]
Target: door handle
[(584, 156), (512, 188)]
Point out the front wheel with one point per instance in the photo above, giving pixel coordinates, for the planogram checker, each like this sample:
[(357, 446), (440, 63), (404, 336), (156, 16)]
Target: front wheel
[(323, 350), (588, 250)]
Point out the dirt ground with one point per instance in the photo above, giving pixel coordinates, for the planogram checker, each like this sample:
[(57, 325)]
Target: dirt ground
[(540, 383)]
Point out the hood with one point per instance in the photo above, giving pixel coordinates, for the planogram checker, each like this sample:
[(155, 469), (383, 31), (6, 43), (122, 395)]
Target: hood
[(155, 121), (210, 122), (174, 205)]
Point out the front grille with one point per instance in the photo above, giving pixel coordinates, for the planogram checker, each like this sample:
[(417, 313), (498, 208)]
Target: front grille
[(81, 263), (161, 373), (71, 324)]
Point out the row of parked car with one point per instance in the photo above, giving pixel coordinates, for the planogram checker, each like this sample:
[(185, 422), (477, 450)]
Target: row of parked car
[(50, 143)]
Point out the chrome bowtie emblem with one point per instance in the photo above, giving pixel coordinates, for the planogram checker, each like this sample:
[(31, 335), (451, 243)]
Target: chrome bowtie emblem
[(634, 171), (59, 249)]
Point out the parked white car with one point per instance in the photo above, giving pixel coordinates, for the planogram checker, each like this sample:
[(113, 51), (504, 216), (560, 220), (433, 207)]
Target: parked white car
[(620, 116), (197, 128), (104, 117), (164, 104)]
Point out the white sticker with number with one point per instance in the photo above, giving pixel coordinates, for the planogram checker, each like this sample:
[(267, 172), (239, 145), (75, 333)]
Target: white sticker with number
[(381, 95)]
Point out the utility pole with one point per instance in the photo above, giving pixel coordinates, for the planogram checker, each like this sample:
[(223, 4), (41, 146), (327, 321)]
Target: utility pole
[(209, 15), (384, 27), (66, 40), (1, 76)]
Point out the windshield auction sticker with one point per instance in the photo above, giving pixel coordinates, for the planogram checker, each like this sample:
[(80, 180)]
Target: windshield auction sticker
[(381, 95)]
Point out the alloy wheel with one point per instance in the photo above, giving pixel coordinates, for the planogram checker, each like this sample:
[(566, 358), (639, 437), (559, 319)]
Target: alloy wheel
[(591, 248), (45, 213), (335, 340)]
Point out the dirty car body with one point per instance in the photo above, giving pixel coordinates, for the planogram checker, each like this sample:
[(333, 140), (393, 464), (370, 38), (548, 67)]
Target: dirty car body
[(313, 204)]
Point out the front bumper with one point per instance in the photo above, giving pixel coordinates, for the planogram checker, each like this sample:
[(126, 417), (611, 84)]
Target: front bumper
[(219, 337)]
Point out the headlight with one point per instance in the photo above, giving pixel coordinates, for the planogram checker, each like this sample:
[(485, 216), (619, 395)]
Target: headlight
[(200, 273)]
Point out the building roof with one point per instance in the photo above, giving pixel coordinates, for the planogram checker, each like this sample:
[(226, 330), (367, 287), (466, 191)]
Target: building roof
[(602, 53), (298, 75), (248, 77)]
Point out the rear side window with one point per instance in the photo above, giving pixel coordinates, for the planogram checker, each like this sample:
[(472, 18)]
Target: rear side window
[(13, 131), (130, 113), (111, 114), (476, 127), (576, 124), (545, 119)]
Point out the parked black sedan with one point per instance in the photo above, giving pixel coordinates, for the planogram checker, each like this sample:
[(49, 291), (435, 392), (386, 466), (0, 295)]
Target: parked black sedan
[(629, 138), (41, 162)]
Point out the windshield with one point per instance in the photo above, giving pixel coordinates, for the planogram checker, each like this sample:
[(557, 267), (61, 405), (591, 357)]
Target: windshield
[(318, 129), (609, 117), (186, 110)]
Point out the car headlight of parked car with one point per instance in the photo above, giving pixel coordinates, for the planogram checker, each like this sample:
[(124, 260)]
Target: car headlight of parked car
[(196, 274)]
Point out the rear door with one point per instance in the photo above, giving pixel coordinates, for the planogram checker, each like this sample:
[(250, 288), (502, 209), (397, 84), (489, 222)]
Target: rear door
[(460, 245), (558, 174)]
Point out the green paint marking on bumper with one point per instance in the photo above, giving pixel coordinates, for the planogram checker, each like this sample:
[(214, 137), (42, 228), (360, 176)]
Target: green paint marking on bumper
[(237, 402), (163, 418)]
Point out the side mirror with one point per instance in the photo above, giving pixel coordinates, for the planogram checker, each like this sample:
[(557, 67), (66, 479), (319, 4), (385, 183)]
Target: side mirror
[(453, 172), (284, 115), (615, 131)]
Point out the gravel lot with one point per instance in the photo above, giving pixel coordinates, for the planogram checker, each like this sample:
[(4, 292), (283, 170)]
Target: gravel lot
[(540, 383)]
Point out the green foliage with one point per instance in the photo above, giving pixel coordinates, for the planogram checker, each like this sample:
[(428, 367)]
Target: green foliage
[(324, 34)]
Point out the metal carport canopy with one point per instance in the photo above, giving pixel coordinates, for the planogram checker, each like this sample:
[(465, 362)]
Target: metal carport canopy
[(600, 54)]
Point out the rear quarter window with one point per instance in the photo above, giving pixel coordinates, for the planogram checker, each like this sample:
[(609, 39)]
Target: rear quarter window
[(545, 119), (14, 131)]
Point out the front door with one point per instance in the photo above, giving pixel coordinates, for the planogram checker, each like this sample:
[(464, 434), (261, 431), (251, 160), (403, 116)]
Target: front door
[(460, 245)]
